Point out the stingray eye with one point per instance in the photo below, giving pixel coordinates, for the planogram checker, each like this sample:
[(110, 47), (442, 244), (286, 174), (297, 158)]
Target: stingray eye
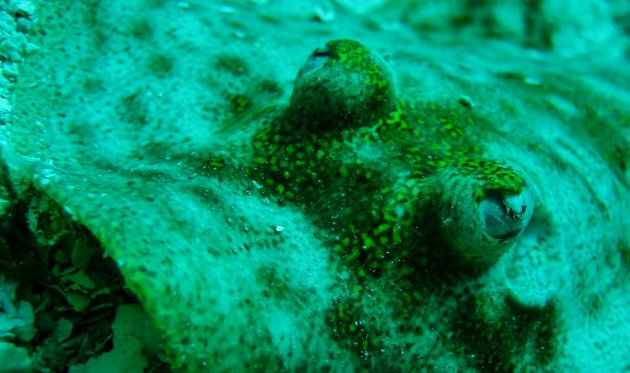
[(315, 62), (506, 216), (341, 85), (483, 207)]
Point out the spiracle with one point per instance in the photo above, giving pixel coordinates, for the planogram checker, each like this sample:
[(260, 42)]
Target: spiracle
[(341, 85)]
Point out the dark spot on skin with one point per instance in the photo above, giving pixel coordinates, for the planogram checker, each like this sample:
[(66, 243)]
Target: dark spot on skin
[(141, 29), (231, 64), (131, 109), (160, 64)]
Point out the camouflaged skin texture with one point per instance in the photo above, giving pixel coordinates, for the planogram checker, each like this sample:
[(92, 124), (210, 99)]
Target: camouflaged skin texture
[(397, 188), (390, 180), (263, 232)]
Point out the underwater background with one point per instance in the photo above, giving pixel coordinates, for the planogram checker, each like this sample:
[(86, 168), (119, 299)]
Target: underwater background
[(333, 185)]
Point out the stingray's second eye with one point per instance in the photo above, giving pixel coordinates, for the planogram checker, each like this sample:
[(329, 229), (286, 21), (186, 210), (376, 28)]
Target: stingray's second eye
[(483, 207), (341, 85), (506, 216)]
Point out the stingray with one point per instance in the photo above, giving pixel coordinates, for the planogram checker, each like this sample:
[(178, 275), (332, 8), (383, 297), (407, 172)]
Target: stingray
[(384, 211)]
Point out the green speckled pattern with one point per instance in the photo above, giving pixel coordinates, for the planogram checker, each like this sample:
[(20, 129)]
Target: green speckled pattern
[(357, 213), (370, 185), (492, 177)]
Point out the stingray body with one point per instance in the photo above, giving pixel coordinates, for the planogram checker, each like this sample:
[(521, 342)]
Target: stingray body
[(390, 180), (399, 190), (355, 213)]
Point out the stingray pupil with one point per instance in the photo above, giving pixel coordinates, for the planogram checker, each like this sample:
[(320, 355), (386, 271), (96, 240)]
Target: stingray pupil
[(317, 59)]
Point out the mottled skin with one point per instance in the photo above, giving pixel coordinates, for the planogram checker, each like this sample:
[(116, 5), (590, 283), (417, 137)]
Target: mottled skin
[(366, 177), (396, 187)]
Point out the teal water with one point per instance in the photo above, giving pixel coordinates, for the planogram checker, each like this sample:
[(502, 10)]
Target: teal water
[(314, 186)]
